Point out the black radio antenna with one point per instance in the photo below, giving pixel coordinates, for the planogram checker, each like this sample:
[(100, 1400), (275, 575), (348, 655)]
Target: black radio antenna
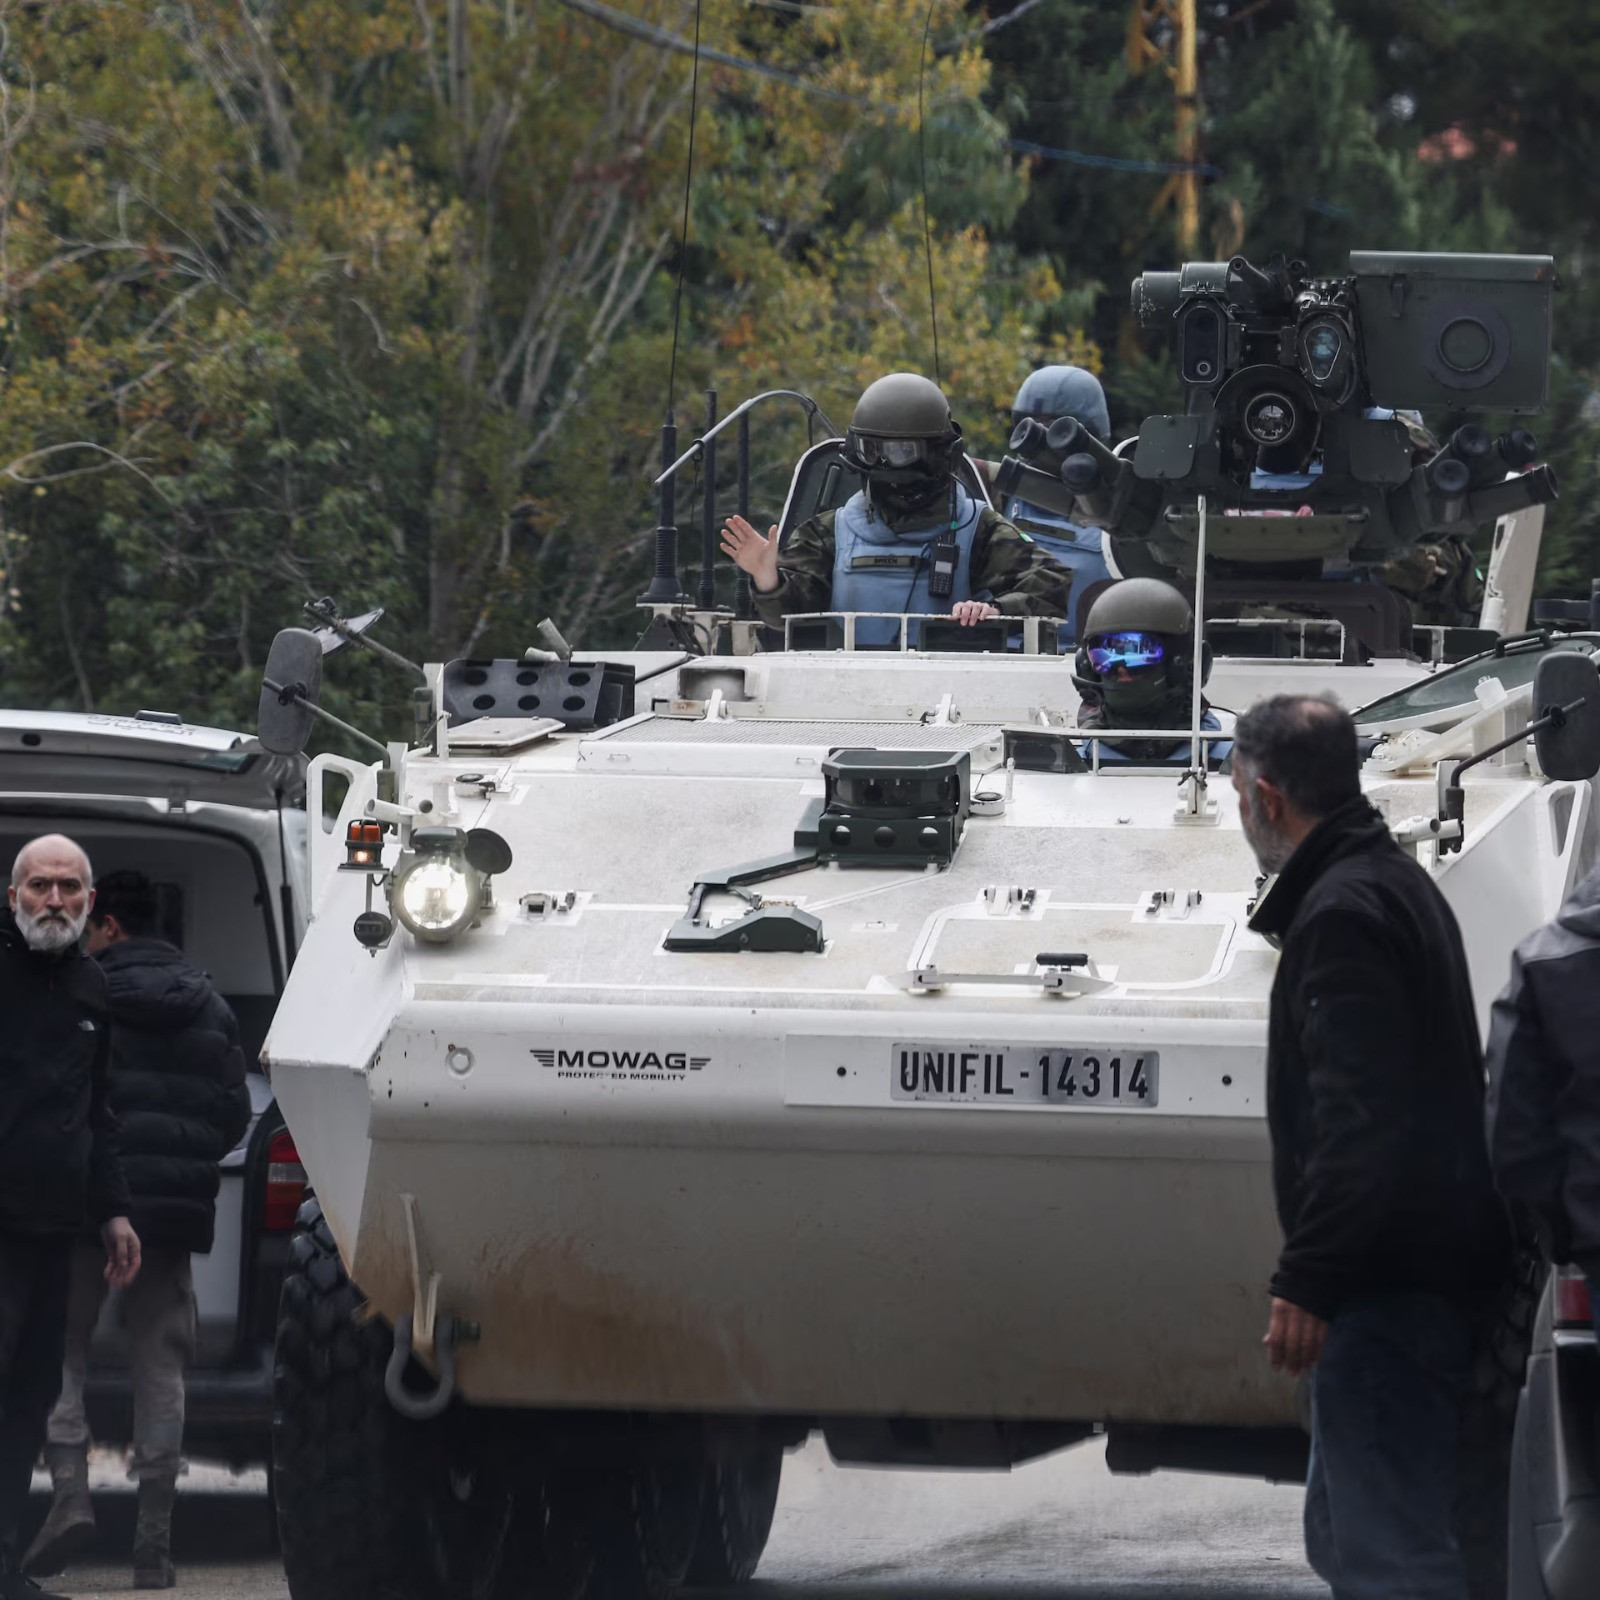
[(922, 164), (688, 184)]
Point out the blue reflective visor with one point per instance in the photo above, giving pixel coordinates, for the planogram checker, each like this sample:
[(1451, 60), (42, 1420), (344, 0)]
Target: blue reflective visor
[(1138, 652)]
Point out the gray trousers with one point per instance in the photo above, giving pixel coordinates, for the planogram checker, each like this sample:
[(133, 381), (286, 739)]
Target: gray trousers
[(156, 1311)]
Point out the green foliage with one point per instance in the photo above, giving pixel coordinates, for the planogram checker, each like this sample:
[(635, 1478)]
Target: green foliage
[(1326, 125), (378, 299)]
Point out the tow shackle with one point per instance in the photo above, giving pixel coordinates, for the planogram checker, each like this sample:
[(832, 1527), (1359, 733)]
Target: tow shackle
[(421, 1407)]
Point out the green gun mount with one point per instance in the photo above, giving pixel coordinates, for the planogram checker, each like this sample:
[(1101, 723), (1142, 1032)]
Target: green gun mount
[(1289, 428)]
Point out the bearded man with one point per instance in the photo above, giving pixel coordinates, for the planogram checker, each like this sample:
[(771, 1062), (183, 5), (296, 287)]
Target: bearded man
[(1394, 1239), (58, 1159)]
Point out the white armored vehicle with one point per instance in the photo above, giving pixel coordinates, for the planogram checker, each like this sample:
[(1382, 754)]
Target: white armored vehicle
[(818, 1047), (691, 1051)]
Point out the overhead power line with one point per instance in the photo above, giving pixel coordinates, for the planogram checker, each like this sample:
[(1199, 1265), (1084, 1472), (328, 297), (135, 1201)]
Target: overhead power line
[(995, 24), (611, 17)]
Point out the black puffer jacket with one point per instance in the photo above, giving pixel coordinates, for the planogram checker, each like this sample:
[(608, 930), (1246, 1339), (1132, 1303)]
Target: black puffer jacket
[(58, 1138), (1544, 1081), (1375, 1082), (177, 1088)]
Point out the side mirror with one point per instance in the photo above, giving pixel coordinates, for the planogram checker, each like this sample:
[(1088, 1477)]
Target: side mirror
[(289, 690), (1566, 689)]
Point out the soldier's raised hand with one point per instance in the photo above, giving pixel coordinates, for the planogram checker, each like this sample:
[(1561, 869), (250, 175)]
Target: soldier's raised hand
[(745, 547)]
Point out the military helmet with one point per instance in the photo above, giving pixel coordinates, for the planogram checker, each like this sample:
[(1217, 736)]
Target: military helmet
[(1137, 646), (1140, 605), (1052, 392), (902, 405), (904, 441)]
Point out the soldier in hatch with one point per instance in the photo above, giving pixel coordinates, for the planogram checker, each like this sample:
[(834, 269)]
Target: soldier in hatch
[(1048, 395), (1135, 669), (1440, 581), (913, 540)]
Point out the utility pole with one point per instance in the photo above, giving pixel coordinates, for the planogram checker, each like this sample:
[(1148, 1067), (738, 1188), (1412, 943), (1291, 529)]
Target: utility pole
[(1162, 33)]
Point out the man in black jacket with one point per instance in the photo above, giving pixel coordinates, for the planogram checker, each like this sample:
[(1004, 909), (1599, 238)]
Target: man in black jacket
[(58, 1157), (177, 1087), (1393, 1235)]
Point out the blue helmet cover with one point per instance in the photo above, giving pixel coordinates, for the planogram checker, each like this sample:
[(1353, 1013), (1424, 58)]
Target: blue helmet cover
[(1064, 392)]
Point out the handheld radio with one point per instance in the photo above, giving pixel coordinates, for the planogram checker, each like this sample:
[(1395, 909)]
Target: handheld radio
[(944, 556)]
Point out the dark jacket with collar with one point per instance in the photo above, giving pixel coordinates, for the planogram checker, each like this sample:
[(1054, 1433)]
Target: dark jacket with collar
[(1375, 1079), (1544, 1081), (59, 1166), (177, 1088)]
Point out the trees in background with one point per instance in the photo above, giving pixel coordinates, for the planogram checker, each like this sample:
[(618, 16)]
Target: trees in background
[(377, 300), (294, 296), (1326, 125), (377, 297)]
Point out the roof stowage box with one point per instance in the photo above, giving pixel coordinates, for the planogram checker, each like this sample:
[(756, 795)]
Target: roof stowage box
[(1465, 332)]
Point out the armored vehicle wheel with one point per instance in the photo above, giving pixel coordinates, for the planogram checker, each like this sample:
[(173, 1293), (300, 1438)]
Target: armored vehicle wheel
[(371, 1506), (341, 1498), (642, 1528), (620, 1522), (735, 1519), (471, 1492)]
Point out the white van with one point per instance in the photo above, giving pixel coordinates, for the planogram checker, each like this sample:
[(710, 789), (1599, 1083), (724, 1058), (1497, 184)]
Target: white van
[(219, 825)]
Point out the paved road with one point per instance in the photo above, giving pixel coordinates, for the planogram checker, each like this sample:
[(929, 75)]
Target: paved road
[(1060, 1529)]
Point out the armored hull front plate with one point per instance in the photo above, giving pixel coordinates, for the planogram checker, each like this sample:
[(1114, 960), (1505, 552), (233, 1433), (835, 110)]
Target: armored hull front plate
[(697, 1181)]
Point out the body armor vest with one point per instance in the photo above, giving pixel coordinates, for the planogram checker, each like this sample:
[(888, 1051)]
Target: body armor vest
[(877, 569), (1080, 550)]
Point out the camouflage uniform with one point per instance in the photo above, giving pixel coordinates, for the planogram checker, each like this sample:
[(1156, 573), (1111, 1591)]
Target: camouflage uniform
[(1440, 580), (1023, 581)]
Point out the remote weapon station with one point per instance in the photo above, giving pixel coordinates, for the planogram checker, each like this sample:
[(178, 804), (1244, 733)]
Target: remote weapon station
[(752, 1034)]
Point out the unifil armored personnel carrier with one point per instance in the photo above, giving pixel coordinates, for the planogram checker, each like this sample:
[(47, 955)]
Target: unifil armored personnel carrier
[(701, 1046)]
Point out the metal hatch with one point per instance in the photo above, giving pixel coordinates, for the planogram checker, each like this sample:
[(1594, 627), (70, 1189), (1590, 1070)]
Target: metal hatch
[(91, 753)]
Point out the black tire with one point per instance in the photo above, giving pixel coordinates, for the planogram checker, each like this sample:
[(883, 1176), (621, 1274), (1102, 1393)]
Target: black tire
[(473, 1489), (736, 1519), (370, 1505), (272, 1507), (558, 1524), (338, 1478), (645, 1518), (1487, 1424)]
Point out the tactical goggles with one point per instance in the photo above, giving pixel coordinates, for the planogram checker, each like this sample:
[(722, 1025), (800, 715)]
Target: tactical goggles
[(1138, 652), (876, 454)]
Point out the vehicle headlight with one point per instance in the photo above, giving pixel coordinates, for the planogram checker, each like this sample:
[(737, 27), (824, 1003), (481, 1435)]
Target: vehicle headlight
[(436, 892), (435, 897)]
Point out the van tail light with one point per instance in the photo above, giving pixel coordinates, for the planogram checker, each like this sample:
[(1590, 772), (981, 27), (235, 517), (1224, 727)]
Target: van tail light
[(1573, 1308), (286, 1183)]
